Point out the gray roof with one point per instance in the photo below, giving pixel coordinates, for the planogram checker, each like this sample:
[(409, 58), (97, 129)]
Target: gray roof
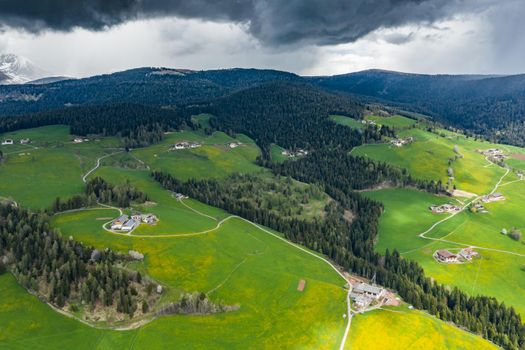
[(131, 222), (122, 218), (366, 288)]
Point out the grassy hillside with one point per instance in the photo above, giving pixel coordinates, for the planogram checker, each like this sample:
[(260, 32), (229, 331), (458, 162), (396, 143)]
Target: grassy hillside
[(409, 329), (428, 158), (347, 121), (52, 165), (214, 159), (497, 273), (195, 247), (395, 121)]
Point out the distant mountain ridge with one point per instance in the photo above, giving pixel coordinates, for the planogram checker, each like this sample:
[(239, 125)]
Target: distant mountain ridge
[(16, 69), (491, 105)]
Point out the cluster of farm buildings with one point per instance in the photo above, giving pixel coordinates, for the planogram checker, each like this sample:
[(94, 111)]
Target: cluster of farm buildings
[(493, 153), (368, 122), (12, 142), (127, 224), (445, 208), (402, 142), (464, 255), (185, 145), (80, 139), (192, 144), (297, 153), (364, 294)]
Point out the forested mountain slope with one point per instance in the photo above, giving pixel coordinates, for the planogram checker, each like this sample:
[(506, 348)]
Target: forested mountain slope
[(150, 86), (493, 106)]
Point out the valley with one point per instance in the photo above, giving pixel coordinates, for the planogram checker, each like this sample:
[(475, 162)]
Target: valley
[(193, 247)]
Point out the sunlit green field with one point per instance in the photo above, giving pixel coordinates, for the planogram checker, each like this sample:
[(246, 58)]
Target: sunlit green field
[(409, 329), (427, 158), (49, 167), (346, 121), (497, 273), (395, 121), (236, 264), (214, 159), (195, 247)]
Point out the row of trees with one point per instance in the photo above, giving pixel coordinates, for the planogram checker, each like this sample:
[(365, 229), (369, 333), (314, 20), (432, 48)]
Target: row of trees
[(63, 270), (99, 191), (137, 125)]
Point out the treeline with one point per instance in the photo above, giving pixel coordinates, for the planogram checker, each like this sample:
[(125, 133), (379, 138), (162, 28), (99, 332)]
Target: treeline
[(225, 195), (351, 245), (137, 125), (349, 172), (63, 270), (292, 116), (99, 191)]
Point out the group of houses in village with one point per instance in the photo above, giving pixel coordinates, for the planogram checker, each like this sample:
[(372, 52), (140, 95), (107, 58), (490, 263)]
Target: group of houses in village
[(368, 122), (402, 142), (445, 208), (364, 294), (494, 153), (126, 223), (297, 153), (464, 255), (12, 142), (184, 145)]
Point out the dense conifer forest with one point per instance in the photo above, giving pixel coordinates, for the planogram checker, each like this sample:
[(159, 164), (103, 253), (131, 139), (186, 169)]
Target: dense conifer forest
[(292, 116)]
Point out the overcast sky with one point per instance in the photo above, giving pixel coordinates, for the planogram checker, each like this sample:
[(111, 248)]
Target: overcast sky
[(309, 37)]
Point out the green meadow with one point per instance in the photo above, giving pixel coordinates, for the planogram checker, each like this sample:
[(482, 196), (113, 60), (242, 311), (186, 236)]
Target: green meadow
[(403, 329), (50, 166), (195, 247), (214, 159), (237, 264), (395, 121), (498, 272), (428, 157), (347, 121)]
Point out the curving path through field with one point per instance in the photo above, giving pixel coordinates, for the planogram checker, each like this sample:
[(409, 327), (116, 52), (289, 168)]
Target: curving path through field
[(498, 184), (349, 311), (98, 165)]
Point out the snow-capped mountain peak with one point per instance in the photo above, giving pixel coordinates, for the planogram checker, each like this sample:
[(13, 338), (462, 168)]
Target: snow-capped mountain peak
[(16, 69)]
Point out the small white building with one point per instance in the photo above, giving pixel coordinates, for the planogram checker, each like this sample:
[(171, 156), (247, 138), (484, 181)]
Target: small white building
[(78, 140), (25, 141), (234, 144), (7, 142)]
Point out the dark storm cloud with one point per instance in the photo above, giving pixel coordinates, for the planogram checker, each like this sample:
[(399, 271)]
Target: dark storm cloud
[(275, 22)]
